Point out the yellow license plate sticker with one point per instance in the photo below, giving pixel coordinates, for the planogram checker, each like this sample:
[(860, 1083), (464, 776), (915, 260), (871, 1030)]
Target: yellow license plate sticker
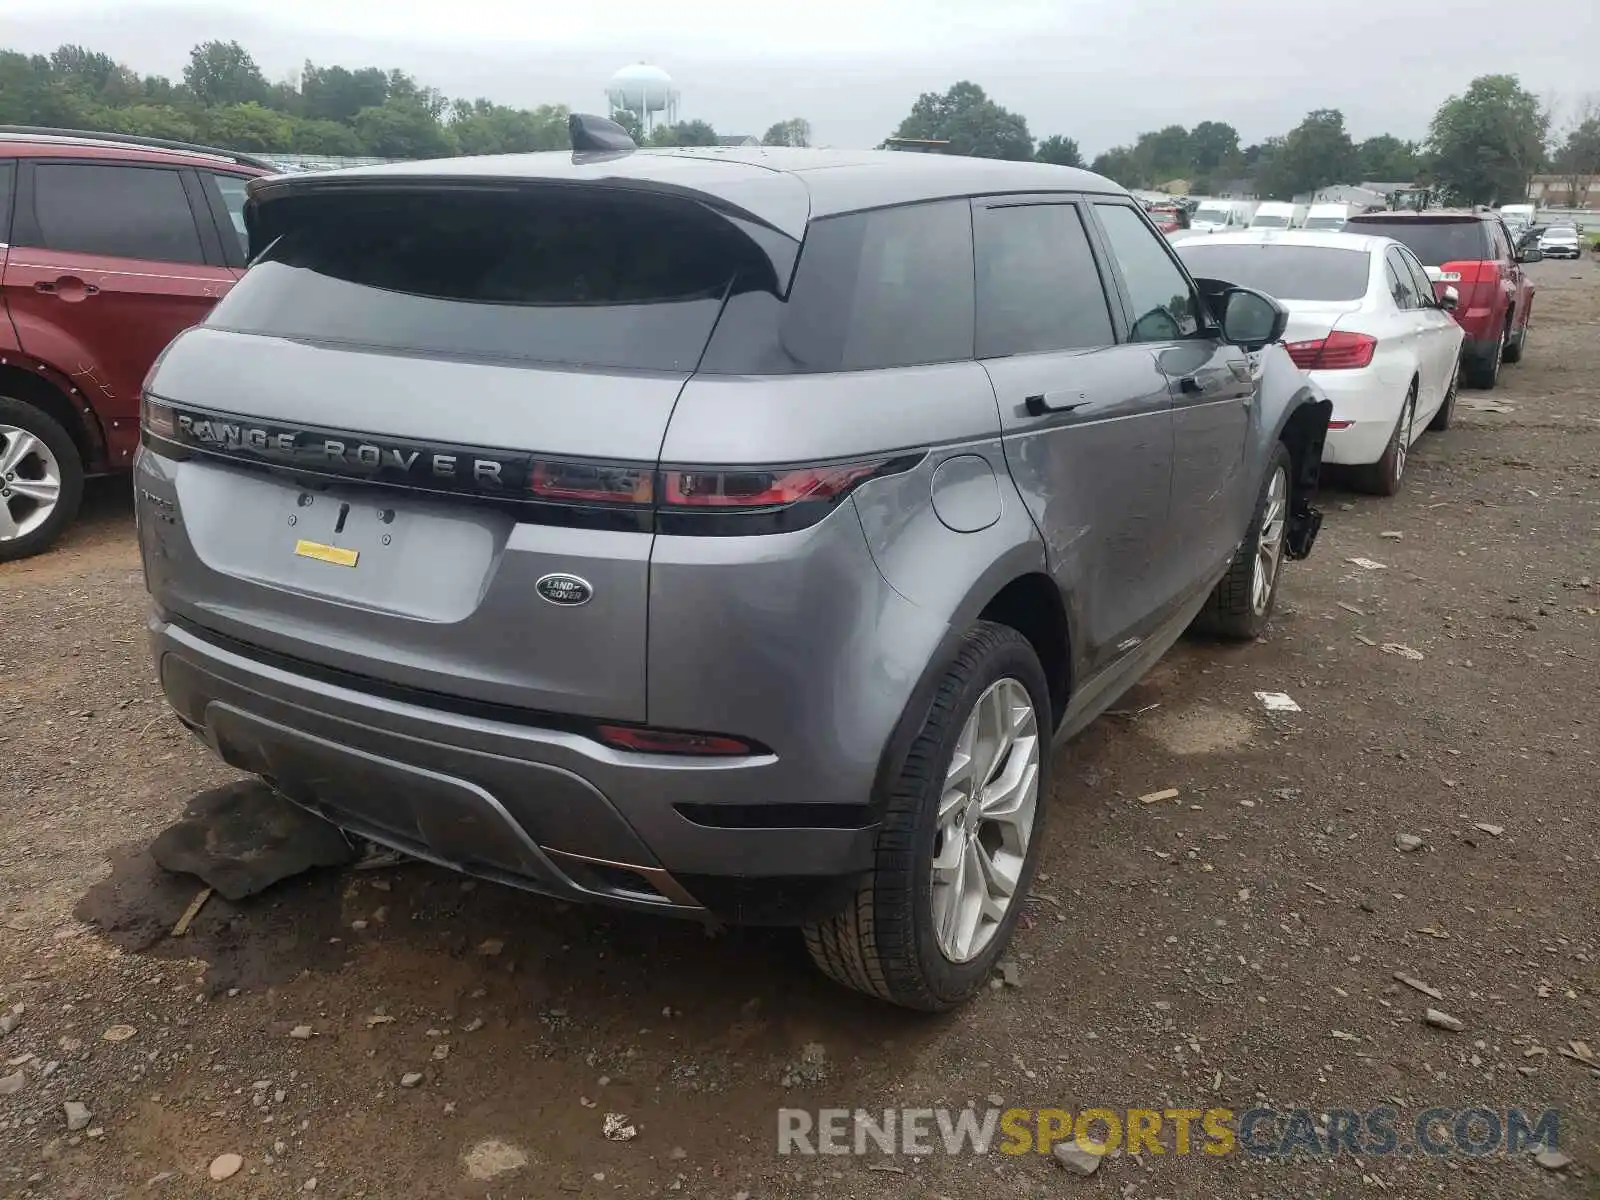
[(337, 555)]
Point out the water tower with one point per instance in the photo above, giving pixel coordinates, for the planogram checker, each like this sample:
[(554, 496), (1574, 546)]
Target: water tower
[(646, 92)]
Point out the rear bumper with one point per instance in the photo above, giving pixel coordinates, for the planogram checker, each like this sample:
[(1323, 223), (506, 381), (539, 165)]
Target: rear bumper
[(543, 809), (1365, 412)]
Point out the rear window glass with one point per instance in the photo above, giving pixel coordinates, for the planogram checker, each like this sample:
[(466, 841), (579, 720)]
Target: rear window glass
[(1434, 242), (1269, 222), (1325, 222), (575, 276), (887, 288), (1287, 272)]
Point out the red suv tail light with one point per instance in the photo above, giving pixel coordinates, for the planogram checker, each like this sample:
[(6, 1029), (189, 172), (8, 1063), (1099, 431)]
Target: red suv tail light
[(1339, 351)]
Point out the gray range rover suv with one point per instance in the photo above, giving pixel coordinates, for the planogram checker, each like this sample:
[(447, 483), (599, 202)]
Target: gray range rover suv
[(711, 532)]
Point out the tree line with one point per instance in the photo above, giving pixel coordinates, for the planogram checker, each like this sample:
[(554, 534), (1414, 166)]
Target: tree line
[(225, 100), (1482, 145)]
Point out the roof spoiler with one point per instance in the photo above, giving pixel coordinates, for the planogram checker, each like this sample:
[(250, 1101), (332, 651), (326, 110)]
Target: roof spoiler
[(592, 134)]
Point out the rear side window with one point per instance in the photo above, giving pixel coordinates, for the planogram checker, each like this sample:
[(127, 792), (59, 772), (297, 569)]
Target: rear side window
[(575, 276), (1401, 285), (1286, 271), (1038, 286), (121, 211), (8, 172), (1165, 307), (887, 288), (1434, 242), (233, 198)]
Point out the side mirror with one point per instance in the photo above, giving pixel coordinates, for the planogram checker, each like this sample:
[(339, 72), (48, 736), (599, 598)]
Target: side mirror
[(1531, 255), (1252, 319), (1449, 299)]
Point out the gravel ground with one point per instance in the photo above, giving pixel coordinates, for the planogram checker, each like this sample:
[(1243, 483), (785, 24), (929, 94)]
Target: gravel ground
[(404, 1033)]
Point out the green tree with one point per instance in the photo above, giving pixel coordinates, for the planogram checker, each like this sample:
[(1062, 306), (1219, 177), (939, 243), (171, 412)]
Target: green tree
[(796, 131), (629, 120), (338, 94), (1577, 159), (403, 128), (485, 128), (684, 133), (1163, 154), (222, 73), (247, 127), (1214, 148), (1488, 141), (972, 123), (1060, 150), (1120, 164), (1315, 153), (153, 120), (1387, 159), (314, 136)]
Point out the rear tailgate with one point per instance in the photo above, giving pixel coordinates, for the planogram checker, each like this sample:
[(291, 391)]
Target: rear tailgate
[(417, 442)]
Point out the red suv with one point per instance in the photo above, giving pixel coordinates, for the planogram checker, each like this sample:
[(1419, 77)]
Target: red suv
[(109, 246), (1473, 252)]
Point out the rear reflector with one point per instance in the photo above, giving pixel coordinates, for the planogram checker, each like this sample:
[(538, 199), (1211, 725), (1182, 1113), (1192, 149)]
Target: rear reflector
[(1339, 351), (666, 741), (1333, 425)]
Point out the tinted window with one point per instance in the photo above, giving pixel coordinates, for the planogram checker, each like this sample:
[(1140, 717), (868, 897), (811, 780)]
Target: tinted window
[(233, 197), (1434, 242), (889, 288), (1286, 271), (1419, 276), (1269, 222), (1038, 287), (7, 173), (1164, 305), (1325, 223), (1401, 285), (575, 276), (127, 212)]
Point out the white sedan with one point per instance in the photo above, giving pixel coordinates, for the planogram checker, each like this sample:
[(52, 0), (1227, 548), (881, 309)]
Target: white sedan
[(1364, 324)]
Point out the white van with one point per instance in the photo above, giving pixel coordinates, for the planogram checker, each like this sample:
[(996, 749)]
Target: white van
[(1330, 216), (1275, 214), (1518, 216), (1217, 216)]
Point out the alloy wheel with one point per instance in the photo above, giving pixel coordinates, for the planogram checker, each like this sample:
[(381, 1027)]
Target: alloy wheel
[(30, 483), (1402, 433), (1269, 542), (985, 820)]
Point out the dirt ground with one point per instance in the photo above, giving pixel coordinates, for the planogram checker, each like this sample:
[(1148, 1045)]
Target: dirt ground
[(1191, 953)]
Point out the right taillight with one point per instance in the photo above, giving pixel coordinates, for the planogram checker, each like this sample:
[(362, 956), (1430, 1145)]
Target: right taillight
[(1339, 351)]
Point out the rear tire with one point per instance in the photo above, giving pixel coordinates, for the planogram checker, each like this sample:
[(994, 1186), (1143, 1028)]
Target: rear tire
[(1447, 408), (41, 479), (1385, 477), (1516, 344), (888, 942), (1485, 372), (1241, 603)]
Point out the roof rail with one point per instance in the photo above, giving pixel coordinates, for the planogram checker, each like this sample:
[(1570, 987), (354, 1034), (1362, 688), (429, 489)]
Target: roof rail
[(128, 139)]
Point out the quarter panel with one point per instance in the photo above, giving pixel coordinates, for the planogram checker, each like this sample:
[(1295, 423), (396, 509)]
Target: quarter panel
[(794, 640)]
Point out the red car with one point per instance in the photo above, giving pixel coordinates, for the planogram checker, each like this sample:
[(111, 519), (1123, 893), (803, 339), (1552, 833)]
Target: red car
[(109, 247), (1473, 252)]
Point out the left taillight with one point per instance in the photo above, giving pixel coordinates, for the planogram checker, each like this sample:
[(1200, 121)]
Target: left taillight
[(722, 500), (1339, 351), (157, 418)]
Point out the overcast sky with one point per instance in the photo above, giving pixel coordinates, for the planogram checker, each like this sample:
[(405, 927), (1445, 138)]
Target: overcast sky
[(1098, 70)]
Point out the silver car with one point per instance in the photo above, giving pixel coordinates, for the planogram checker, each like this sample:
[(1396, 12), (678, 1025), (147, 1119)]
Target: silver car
[(711, 532)]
